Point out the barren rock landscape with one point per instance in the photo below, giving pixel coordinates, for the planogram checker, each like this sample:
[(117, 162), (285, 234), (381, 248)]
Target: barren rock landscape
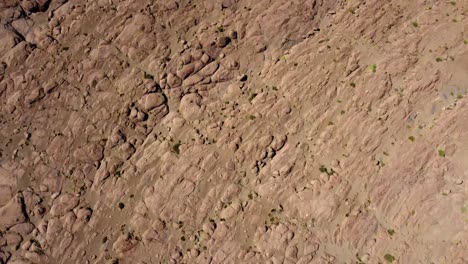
[(234, 131)]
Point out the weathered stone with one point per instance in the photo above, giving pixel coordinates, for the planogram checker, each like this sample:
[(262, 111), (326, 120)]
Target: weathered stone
[(192, 80), (223, 42), (209, 69), (123, 244), (150, 101), (23, 228), (185, 71), (12, 213), (63, 204), (173, 81), (89, 153)]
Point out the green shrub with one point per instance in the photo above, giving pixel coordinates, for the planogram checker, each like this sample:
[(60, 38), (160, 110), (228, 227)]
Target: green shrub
[(442, 153), (389, 258)]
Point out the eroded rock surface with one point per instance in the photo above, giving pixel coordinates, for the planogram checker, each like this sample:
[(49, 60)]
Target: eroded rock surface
[(233, 131)]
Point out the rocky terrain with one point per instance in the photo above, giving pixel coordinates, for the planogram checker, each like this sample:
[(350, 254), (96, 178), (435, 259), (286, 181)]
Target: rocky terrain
[(233, 131)]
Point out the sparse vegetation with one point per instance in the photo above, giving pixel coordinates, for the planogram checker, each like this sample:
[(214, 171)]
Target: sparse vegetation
[(252, 195), (372, 67), (464, 209), (176, 148), (252, 96), (380, 163), (148, 76), (219, 29), (324, 169), (442, 153), (158, 110), (274, 220), (389, 258)]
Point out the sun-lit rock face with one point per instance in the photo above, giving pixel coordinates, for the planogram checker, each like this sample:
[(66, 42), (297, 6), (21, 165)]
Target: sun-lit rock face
[(233, 131)]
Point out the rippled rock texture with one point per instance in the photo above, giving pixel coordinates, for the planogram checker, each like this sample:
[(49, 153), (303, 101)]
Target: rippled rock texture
[(233, 131)]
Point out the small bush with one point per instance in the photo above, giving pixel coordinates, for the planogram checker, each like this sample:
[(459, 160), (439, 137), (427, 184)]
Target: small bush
[(252, 96), (442, 153), (148, 76), (176, 147), (323, 169), (389, 258)]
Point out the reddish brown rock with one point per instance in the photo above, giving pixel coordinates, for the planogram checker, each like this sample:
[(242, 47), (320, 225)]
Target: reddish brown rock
[(150, 101), (12, 213)]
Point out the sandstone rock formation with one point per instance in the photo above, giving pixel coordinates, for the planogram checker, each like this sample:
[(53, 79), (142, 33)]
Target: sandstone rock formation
[(233, 131)]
